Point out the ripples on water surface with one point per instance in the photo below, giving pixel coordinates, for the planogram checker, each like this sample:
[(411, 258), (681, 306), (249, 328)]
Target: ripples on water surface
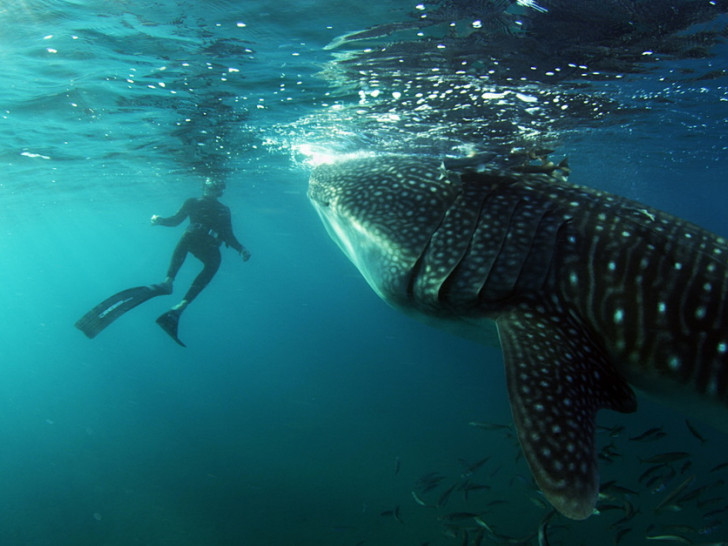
[(285, 420)]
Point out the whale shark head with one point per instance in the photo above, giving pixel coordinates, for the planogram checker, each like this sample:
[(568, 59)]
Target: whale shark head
[(382, 213)]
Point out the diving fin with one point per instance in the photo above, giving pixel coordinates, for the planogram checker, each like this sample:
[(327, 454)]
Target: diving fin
[(169, 322), (112, 308)]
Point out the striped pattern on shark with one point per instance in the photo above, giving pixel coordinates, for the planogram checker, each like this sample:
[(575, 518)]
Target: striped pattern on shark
[(590, 294)]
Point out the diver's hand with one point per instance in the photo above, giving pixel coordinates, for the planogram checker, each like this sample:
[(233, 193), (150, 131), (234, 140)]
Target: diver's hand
[(155, 219), (245, 254)]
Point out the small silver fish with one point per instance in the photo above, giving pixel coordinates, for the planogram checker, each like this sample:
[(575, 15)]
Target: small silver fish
[(669, 457), (667, 501), (418, 500), (649, 435), (695, 432), (488, 426), (669, 538)]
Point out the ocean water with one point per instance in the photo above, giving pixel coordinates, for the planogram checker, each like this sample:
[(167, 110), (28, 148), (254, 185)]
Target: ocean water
[(304, 410)]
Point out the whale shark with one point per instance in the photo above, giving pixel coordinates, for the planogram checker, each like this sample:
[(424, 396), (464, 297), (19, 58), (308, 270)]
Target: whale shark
[(590, 295)]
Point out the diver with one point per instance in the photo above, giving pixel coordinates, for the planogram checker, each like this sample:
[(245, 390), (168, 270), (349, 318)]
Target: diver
[(210, 226)]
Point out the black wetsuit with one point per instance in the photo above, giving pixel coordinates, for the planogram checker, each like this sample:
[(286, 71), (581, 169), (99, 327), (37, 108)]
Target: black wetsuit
[(210, 225)]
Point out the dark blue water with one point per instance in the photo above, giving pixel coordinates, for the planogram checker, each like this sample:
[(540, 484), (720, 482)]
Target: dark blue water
[(304, 410)]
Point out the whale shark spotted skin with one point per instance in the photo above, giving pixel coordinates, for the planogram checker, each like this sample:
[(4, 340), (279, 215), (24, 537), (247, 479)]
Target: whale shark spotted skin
[(589, 293)]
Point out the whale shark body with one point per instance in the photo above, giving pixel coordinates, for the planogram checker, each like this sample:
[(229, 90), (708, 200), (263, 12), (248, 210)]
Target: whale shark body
[(588, 294)]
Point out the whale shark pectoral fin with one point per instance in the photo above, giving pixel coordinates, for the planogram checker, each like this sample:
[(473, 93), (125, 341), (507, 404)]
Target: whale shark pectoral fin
[(558, 378)]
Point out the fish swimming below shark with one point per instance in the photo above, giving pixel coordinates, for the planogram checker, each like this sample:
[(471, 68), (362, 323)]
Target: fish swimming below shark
[(588, 293)]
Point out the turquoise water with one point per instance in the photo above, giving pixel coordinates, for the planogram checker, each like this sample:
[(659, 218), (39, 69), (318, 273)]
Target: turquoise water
[(304, 410)]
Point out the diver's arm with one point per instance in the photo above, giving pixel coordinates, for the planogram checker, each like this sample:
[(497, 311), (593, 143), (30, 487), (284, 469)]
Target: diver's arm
[(177, 218), (231, 240), (229, 237)]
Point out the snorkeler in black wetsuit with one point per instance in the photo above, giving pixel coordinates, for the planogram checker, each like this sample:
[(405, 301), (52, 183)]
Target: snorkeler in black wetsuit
[(209, 227)]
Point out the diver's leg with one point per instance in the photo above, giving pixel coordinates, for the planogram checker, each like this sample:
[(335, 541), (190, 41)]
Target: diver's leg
[(178, 258), (210, 257)]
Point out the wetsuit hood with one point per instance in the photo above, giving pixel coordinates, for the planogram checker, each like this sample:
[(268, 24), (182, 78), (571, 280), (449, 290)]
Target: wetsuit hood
[(213, 188)]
